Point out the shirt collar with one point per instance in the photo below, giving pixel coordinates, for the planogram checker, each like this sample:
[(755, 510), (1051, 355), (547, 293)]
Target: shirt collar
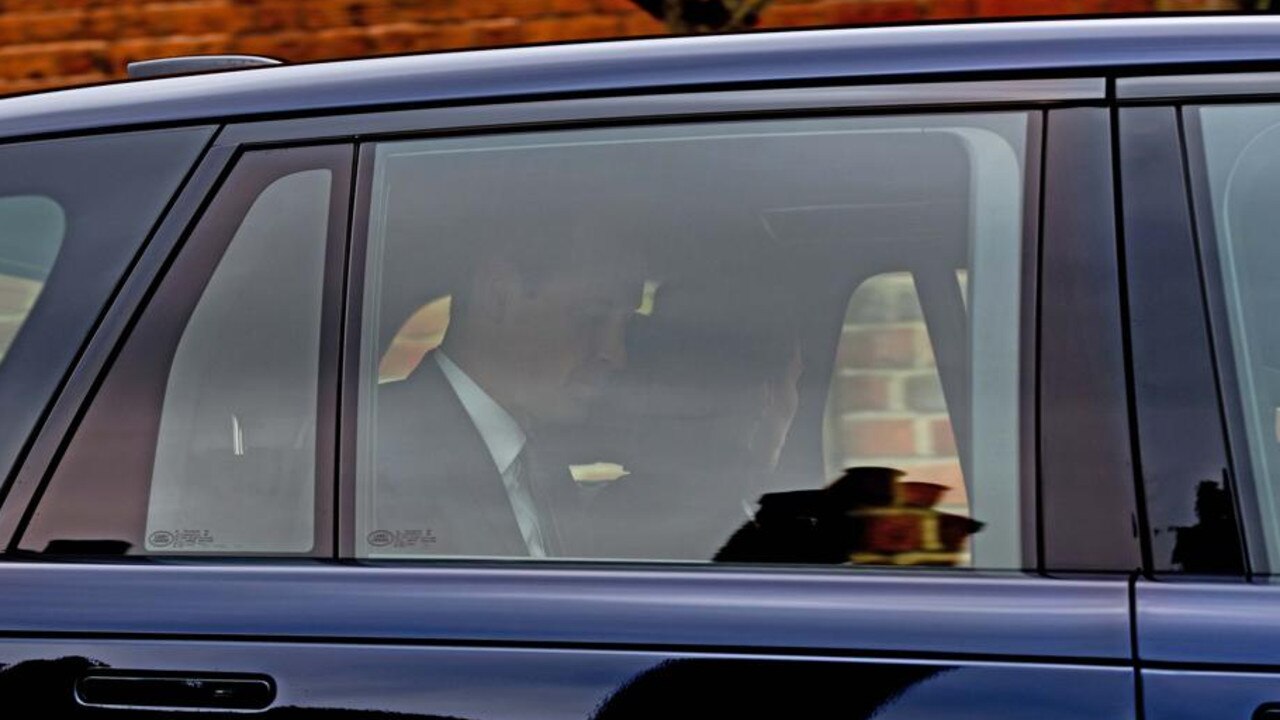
[(502, 436)]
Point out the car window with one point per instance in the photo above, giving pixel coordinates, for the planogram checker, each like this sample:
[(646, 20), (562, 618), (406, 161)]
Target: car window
[(749, 342), (1240, 149), (204, 437), (73, 213)]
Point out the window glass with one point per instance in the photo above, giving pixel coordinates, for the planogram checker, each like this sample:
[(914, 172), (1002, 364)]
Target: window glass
[(784, 342), (1241, 146), (73, 213), (204, 437)]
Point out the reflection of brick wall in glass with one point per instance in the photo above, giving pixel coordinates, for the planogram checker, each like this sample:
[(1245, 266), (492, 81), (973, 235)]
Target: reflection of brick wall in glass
[(17, 295), (886, 405)]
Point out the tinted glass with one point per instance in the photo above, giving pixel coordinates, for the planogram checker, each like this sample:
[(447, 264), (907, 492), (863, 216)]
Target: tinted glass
[(73, 213), (1241, 157), (204, 437), (745, 342)]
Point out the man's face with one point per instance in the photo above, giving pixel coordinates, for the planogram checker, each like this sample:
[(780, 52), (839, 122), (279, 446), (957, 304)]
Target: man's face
[(564, 337)]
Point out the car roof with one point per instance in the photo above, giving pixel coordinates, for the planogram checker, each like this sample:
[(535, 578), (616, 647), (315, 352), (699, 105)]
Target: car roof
[(1071, 46)]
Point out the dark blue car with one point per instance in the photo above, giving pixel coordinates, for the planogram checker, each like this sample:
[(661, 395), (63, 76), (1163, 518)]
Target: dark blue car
[(906, 372)]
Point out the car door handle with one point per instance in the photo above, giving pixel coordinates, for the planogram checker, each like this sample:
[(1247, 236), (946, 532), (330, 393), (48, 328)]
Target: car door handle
[(1269, 711), (144, 689)]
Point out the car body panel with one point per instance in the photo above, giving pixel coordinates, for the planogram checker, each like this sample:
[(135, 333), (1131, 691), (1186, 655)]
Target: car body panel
[(672, 64), (563, 640), (856, 611)]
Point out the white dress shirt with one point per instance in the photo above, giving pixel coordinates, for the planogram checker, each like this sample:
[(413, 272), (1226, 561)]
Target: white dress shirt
[(505, 441)]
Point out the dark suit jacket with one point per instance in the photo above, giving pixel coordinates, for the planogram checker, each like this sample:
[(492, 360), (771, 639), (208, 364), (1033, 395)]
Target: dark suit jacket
[(436, 489)]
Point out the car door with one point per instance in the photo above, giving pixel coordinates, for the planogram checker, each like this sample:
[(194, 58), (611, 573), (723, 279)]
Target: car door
[(386, 436), (1201, 267)]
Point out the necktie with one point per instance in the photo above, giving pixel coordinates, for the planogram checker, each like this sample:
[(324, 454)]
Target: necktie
[(516, 480)]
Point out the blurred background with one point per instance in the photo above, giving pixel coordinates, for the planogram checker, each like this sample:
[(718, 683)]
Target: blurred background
[(55, 43)]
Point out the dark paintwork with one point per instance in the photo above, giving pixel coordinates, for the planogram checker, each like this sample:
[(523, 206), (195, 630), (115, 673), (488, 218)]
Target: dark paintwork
[(317, 681), (904, 612), (1087, 505), (1208, 624), (831, 56)]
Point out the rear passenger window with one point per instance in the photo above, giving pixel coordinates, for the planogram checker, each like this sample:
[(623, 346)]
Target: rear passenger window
[(213, 432), (762, 342)]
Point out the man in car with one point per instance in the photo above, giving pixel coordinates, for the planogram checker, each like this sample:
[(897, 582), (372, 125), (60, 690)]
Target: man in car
[(536, 330)]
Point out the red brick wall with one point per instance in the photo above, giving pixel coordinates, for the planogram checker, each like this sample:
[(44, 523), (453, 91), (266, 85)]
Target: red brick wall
[(886, 405), (47, 43)]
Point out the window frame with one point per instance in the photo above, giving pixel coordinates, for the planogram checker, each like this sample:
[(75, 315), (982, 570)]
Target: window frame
[(1036, 96), (1204, 373), (208, 238), (1232, 406), (613, 111), (34, 377)]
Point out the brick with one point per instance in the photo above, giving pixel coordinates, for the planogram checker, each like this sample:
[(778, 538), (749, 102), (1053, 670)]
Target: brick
[(948, 9), (433, 10), (942, 437), (922, 392), (402, 38), (547, 30), (340, 43), (505, 31), (269, 15), (874, 437), (454, 35), (1015, 8), (877, 11), (326, 14), (1186, 5), (51, 5), (186, 19), (880, 347), (885, 299), (528, 9), (620, 7), (796, 15), (24, 62), (1131, 6), (864, 392), (591, 26), (563, 7), (18, 28)]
